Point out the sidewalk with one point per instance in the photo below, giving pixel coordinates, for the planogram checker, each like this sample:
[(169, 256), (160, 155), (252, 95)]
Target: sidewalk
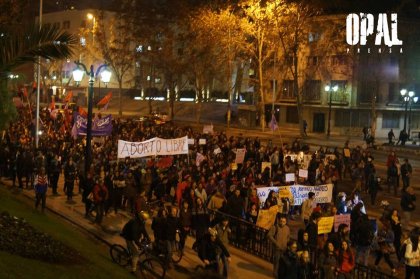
[(243, 265)]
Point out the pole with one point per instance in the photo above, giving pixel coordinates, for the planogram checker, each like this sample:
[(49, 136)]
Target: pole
[(405, 115), (274, 89), (88, 150), (229, 112), (329, 114), (38, 84), (409, 121)]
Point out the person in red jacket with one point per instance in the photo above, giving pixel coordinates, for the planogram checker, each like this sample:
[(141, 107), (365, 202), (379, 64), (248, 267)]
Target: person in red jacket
[(346, 261), (100, 195)]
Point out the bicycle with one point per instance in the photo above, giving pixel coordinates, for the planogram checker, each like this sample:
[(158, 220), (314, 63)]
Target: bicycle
[(150, 267), (159, 250)]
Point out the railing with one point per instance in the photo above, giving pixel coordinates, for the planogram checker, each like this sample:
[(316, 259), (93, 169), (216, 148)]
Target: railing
[(253, 239)]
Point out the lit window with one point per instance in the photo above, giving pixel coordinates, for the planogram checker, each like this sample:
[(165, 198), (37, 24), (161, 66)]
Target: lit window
[(83, 41), (148, 77), (149, 48)]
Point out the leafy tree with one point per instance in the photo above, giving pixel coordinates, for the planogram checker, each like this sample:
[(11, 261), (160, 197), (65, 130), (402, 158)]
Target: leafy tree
[(115, 43), (21, 46)]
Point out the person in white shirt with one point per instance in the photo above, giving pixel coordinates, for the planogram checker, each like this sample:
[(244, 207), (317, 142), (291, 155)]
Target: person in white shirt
[(308, 206), (412, 255)]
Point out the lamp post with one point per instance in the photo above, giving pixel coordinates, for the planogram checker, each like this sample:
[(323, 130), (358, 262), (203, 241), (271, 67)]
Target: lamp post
[(407, 97), (330, 89), (413, 101), (78, 76)]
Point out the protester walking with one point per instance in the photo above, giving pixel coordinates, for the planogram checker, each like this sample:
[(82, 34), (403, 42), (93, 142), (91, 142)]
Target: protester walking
[(41, 187)]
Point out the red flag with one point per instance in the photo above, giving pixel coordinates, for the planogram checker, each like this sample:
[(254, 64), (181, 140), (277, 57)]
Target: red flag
[(68, 97), (52, 105), (25, 92), (82, 112), (105, 100)]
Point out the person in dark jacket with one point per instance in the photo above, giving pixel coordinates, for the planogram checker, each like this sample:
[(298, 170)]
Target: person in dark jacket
[(158, 226), (312, 230), (69, 177), (200, 221), (328, 262), (55, 170), (172, 225), (86, 196), (185, 218), (211, 249), (408, 205), (288, 263), (133, 231), (406, 172)]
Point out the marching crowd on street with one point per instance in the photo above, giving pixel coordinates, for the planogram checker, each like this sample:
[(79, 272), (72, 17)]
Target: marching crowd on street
[(196, 188)]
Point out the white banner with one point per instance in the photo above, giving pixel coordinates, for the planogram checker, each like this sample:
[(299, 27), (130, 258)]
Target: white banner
[(297, 193), (152, 147)]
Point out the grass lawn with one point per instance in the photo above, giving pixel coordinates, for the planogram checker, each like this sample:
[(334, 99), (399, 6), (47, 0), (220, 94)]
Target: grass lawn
[(99, 263)]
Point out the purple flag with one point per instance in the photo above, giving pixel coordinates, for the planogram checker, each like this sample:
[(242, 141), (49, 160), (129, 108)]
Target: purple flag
[(100, 126), (273, 123)]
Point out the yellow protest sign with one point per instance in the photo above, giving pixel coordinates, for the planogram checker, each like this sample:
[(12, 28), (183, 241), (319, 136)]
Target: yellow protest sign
[(325, 224), (267, 217)]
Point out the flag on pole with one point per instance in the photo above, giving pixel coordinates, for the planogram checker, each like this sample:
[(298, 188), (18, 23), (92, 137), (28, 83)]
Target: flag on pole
[(82, 112), (273, 123), (74, 131), (104, 108), (105, 100), (25, 92), (68, 97)]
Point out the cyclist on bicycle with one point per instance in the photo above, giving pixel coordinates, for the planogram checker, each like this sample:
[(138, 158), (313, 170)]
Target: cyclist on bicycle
[(133, 231), (211, 249)]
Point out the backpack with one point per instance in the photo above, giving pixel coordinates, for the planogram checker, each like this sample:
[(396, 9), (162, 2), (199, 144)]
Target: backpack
[(127, 228), (364, 234)]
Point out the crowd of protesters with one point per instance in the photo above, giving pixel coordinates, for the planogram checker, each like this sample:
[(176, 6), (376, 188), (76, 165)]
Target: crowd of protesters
[(198, 188)]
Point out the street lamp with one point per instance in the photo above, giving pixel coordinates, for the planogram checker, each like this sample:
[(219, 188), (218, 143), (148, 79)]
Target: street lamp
[(78, 76), (408, 97), (413, 101), (330, 89)]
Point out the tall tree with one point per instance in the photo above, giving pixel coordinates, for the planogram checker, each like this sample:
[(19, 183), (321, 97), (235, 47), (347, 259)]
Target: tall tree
[(21, 46), (116, 44)]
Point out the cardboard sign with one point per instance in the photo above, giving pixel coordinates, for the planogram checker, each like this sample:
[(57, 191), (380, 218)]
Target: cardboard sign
[(234, 166), (303, 173), (325, 224), (208, 129), (191, 141), (202, 141), (347, 152), (217, 151), (290, 177), (240, 155), (341, 219), (266, 218)]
